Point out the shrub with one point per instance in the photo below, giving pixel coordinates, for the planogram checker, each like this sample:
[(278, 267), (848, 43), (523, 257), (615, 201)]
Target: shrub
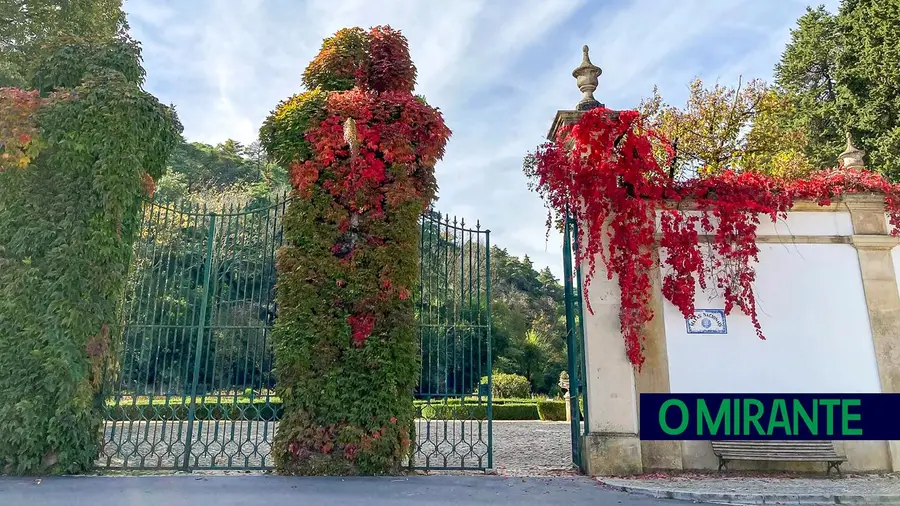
[(509, 385), (551, 410)]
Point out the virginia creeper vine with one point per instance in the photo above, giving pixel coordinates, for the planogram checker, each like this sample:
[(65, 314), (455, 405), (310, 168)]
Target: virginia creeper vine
[(361, 150), (604, 172)]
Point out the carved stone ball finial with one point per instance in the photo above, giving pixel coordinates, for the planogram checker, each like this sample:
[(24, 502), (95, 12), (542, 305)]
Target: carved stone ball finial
[(586, 77), (852, 157)]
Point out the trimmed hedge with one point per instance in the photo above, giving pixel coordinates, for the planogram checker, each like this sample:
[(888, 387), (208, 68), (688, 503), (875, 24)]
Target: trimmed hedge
[(260, 410), (457, 411), (257, 410), (552, 410)]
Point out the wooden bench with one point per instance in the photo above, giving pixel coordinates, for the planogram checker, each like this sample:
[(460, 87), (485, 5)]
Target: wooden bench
[(785, 451)]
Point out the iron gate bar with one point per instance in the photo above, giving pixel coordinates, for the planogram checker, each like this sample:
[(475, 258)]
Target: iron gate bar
[(490, 365), (579, 295), (571, 346), (204, 303)]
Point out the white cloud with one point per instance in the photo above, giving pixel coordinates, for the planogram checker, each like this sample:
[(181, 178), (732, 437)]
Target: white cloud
[(498, 69)]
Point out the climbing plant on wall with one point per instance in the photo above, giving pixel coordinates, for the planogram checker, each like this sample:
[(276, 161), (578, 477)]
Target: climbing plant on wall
[(612, 183), (76, 162), (361, 150)]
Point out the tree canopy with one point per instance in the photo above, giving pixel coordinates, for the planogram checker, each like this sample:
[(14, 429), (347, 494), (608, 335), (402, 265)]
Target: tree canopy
[(30, 30), (839, 73), (842, 73)]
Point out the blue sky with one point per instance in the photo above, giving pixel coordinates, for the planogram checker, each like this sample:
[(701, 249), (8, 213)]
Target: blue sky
[(498, 69)]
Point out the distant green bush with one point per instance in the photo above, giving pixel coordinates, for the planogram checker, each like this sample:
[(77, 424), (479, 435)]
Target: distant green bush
[(509, 385)]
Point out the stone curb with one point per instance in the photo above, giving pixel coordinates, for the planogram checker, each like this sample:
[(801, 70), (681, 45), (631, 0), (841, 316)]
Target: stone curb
[(747, 499)]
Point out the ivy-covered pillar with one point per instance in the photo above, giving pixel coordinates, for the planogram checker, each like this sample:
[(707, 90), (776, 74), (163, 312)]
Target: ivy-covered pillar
[(361, 150), (611, 445), (78, 153)]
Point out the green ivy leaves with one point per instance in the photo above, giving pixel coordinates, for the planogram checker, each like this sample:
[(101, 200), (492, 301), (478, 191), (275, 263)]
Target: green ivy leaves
[(67, 223)]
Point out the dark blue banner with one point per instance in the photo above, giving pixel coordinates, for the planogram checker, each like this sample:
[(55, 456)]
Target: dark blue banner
[(770, 416)]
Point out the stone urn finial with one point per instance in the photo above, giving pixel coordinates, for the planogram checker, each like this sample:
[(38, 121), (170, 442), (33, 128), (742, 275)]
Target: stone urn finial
[(586, 76), (852, 157)]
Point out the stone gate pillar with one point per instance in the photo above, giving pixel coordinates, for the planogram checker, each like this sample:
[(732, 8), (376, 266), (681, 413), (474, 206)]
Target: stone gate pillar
[(612, 445), (873, 242)]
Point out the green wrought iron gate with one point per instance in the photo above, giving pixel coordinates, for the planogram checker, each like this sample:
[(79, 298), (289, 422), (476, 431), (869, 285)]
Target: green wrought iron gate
[(454, 397), (192, 386), (574, 340)]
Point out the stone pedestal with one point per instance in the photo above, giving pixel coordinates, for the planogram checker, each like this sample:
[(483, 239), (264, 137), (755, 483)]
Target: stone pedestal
[(608, 453)]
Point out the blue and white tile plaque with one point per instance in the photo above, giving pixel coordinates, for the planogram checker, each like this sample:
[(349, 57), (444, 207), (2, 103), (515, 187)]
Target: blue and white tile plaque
[(707, 321)]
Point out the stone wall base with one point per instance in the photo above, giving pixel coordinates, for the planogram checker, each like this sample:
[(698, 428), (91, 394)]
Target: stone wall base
[(661, 456), (608, 454)]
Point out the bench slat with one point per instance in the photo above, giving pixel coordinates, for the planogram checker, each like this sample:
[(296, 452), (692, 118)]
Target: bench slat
[(776, 450), (823, 444), (791, 458)]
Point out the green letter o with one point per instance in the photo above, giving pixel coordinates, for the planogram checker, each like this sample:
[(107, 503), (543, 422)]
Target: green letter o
[(685, 418)]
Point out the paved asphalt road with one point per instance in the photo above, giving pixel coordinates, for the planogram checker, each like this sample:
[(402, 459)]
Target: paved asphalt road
[(248, 490)]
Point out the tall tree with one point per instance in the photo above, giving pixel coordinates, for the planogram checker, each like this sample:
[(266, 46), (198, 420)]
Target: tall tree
[(807, 73), (729, 127), (842, 73), (869, 79), (31, 30)]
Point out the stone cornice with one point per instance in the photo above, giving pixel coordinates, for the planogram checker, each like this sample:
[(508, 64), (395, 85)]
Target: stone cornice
[(860, 202), (562, 119), (784, 239), (877, 242), (864, 202)]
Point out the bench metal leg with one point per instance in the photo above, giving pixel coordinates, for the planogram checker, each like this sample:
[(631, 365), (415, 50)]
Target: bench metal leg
[(836, 466), (723, 464)]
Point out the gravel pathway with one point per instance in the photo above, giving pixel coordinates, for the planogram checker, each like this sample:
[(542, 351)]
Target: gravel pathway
[(521, 448), (532, 448)]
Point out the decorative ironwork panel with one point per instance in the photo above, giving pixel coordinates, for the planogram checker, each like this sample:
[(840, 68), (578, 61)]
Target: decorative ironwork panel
[(454, 399)]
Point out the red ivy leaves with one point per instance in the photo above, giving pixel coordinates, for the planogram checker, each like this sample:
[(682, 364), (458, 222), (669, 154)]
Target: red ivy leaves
[(390, 66), (397, 136), (360, 327), (613, 186), (395, 131), (18, 127), (148, 185)]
